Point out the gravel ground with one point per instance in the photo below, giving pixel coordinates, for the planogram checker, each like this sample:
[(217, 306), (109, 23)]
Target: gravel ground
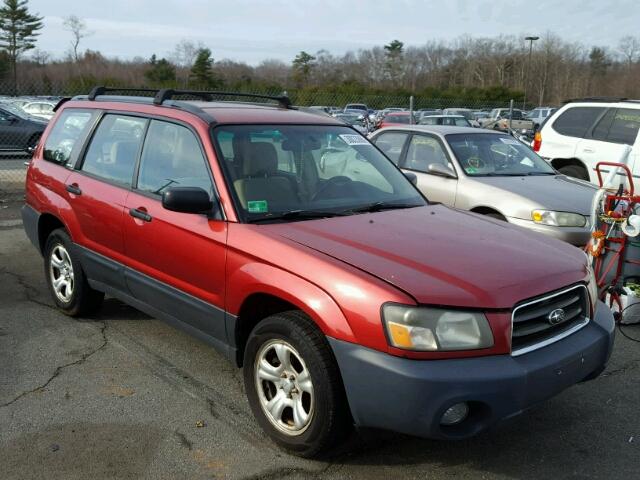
[(120, 396)]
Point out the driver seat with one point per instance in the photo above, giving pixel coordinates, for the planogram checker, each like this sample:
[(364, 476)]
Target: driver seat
[(261, 180)]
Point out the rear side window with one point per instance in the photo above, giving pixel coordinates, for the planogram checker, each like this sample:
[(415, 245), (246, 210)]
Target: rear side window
[(172, 158), (69, 128), (391, 144), (625, 125), (576, 121), (114, 148)]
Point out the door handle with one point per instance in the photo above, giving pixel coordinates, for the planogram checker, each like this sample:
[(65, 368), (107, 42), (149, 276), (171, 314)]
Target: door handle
[(137, 213), (74, 188), (587, 150)]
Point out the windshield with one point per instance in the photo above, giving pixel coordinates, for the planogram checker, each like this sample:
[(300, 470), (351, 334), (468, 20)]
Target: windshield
[(492, 154), (280, 169), (350, 118)]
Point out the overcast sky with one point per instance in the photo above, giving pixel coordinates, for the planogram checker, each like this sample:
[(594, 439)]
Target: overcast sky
[(252, 31)]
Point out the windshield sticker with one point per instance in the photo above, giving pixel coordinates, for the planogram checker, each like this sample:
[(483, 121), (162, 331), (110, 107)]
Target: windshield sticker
[(470, 170), (509, 141), (257, 206), (354, 139)]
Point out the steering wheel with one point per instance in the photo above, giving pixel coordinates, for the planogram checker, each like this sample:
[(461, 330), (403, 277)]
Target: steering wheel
[(476, 162), (339, 181)]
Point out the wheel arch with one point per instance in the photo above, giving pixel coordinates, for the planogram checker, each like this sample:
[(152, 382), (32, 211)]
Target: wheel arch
[(558, 163), (484, 210), (271, 291), (47, 223)]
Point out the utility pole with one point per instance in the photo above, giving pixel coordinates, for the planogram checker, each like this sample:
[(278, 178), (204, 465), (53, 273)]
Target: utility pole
[(526, 81)]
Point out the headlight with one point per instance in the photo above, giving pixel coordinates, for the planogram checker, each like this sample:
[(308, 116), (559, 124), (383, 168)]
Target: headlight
[(558, 219), (434, 329)]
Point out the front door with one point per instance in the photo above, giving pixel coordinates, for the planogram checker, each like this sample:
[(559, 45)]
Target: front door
[(177, 260), (424, 150)]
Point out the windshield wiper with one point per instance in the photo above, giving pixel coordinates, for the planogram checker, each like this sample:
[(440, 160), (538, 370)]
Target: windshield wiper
[(379, 206), (541, 173), (297, 215)]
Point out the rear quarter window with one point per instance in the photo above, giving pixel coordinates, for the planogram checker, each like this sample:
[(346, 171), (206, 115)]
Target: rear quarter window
[(71, 126), (577, 121)]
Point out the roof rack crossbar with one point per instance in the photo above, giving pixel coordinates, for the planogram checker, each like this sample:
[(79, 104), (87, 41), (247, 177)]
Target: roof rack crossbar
[(169, 93), (597, 99), (101, 90)]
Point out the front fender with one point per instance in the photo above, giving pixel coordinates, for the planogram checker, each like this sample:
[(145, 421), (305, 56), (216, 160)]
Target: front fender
[(255, 277)]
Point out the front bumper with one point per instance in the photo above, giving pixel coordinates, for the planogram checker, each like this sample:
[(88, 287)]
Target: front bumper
[(578, 236), (410, 396)]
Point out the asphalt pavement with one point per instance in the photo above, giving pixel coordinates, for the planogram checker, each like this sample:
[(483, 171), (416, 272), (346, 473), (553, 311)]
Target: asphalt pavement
[(122, 395)]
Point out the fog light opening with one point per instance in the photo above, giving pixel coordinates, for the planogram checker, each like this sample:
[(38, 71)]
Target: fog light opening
[(455, 414)]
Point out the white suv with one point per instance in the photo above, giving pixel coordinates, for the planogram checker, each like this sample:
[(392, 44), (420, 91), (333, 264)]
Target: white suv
[(585, 132)]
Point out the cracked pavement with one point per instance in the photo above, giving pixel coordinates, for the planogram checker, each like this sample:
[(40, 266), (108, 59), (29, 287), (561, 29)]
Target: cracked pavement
[(119, 396)]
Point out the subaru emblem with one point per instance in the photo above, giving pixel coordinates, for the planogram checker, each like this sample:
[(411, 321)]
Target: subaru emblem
[(556, 316)]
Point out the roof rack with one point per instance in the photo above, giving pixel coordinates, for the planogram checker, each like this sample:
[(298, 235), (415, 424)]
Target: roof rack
[(169, 93), (599, 99), (100, 90)]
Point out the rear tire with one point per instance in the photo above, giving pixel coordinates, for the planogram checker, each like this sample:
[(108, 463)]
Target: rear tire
[(294, 386), (65, 278), (574, 171)]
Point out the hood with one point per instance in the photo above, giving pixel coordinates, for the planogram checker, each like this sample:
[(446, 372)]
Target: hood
[(442, 256), (559, 193)]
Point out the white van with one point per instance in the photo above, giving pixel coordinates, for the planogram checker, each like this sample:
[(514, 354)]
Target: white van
[(585, 132)]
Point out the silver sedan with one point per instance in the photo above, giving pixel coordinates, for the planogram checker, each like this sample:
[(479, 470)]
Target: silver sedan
[(491, 173)]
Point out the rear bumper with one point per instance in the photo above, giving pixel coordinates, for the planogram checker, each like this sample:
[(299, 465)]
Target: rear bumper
[(578, 236), (410, 396)]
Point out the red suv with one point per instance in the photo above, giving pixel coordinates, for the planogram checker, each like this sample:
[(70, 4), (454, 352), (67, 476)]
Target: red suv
[(290, 243)]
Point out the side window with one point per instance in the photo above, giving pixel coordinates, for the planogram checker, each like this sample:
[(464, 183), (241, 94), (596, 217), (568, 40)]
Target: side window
[(5, 116), (172, 157), (576, 121), (114, 148), (601, 130), (391, 144), (422, 152), (69, 128), (625, 125)]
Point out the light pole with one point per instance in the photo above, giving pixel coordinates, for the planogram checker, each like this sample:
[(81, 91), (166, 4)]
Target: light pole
[(526, 81)]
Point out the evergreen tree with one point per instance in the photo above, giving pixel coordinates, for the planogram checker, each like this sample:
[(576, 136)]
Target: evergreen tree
[(18, 32), (303, 64), (202, 75), (160, 72)]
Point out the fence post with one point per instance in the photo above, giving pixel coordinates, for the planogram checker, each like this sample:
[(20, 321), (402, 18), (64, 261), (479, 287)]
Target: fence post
[(411, 110), (510, 114)]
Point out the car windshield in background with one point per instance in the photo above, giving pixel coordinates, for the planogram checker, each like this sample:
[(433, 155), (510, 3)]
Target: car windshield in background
[(397, 119), (490, 154), (350, 118), (289, 172)]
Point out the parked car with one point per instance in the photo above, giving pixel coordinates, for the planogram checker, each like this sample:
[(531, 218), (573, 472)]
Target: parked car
[(396, 118), (427, 113), (19, 131), (480, 116), (493, 174), (465, 112), (539, 114), (356, 120), (451, 120), (41, 108), (346, 297), (360, 107), (584, 132), (499, 120)]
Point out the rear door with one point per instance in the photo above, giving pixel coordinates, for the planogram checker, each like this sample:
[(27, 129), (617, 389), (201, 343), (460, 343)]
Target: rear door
[(607, 140), (97, 192), (423, 150), (177, 260)]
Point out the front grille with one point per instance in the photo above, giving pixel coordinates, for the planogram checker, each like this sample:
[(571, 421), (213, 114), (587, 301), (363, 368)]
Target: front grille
[(542, 321)]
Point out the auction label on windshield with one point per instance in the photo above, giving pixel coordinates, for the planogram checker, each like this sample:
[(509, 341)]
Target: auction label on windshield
[(354, 139), (257, 206), (509, 141)]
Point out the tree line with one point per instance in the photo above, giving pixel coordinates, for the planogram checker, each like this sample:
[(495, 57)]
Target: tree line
[(481, 69)]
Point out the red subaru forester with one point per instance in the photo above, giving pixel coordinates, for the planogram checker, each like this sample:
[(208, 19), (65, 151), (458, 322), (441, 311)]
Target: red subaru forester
[(293, 245)]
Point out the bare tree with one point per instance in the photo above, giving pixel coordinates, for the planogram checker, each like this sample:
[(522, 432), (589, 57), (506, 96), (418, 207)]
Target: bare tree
[(78, 29), (184, 55), (629, 48)]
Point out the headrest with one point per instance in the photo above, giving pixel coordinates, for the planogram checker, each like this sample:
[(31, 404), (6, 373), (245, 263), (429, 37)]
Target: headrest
[(260, 158)]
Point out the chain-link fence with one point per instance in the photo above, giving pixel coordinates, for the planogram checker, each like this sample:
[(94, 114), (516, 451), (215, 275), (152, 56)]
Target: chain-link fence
[(23, 118)]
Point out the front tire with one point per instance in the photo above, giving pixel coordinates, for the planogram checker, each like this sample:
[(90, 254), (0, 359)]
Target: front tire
[(294, 386), (65, 278)]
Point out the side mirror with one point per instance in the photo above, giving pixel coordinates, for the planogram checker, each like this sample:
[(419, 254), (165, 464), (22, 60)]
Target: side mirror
[(442, 170), (412, 177), (187, 200)]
